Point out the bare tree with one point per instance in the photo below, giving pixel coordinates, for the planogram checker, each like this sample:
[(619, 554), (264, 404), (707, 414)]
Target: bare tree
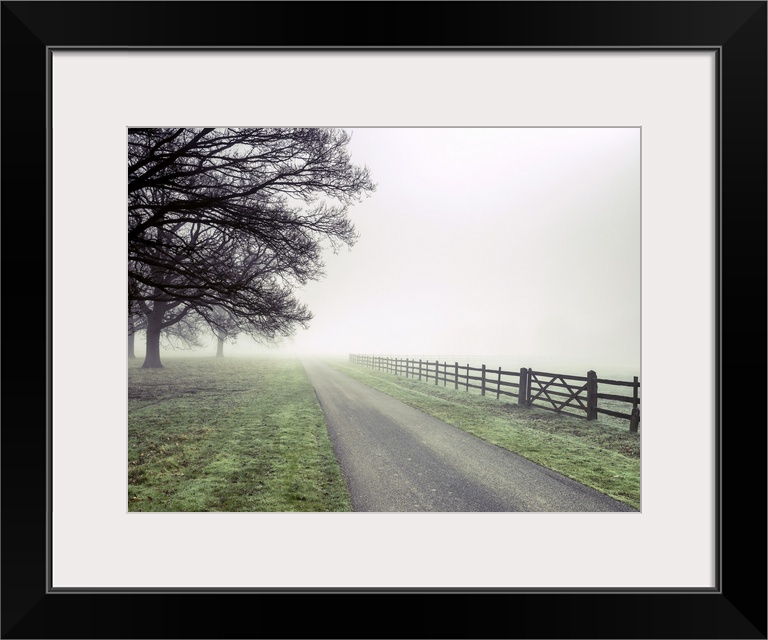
[(225, 329), (227, 222), (135, 322), (184, 334)]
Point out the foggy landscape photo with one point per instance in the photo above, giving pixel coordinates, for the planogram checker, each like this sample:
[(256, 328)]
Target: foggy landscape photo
[(384, 319)]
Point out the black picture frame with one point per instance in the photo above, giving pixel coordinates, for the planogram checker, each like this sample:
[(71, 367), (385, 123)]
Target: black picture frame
[(736, 608)]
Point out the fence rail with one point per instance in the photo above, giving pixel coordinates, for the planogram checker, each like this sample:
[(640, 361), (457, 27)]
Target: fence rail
[(563, 393)]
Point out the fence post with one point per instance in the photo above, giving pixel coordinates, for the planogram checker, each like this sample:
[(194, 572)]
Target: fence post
[(522, 390), (437, 366), (498, 385), (634, 421), (466, 380), (482, 382), (445, 374), (456, 378), (591, 395), (419, 369)]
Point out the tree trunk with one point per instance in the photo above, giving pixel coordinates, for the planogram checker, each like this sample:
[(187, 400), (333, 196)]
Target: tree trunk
[(131, 336), (154, 327), (219, 348)]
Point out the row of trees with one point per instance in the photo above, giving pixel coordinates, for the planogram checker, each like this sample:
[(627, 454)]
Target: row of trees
[(225, 223)]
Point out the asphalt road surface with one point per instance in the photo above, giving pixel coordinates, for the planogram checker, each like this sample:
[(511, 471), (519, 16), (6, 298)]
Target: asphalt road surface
[(397, 459)]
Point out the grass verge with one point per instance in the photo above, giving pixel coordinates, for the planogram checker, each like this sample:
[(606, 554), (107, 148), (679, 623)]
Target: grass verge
[(229, 435), (598, 454)]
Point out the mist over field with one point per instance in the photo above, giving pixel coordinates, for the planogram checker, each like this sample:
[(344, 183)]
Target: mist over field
[(507, 247), (493, 361)]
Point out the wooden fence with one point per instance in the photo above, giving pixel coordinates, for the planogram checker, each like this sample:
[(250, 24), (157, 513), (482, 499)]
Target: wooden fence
[(578, 396)]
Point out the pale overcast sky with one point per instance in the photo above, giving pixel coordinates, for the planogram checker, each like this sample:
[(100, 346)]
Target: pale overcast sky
[(515, 243)]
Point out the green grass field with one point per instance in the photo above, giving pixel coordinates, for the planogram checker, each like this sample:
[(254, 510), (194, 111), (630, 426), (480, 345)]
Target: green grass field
[(601, 454), (229, 434)]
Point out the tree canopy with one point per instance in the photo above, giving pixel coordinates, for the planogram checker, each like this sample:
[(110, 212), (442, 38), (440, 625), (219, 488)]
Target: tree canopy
[(225, 223)]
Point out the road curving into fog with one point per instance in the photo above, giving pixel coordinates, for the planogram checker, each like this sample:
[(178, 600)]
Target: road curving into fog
[(398, 459)]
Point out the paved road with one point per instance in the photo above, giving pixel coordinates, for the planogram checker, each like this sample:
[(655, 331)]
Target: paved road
[(396, 459)]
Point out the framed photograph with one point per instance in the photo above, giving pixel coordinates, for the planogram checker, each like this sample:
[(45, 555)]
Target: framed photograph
[(688, 78)]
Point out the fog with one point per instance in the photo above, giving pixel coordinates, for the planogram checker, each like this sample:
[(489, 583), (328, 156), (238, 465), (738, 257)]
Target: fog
[(507, 246)]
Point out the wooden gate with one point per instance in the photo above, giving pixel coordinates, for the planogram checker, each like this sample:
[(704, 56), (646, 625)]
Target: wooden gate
[(556, 392)]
